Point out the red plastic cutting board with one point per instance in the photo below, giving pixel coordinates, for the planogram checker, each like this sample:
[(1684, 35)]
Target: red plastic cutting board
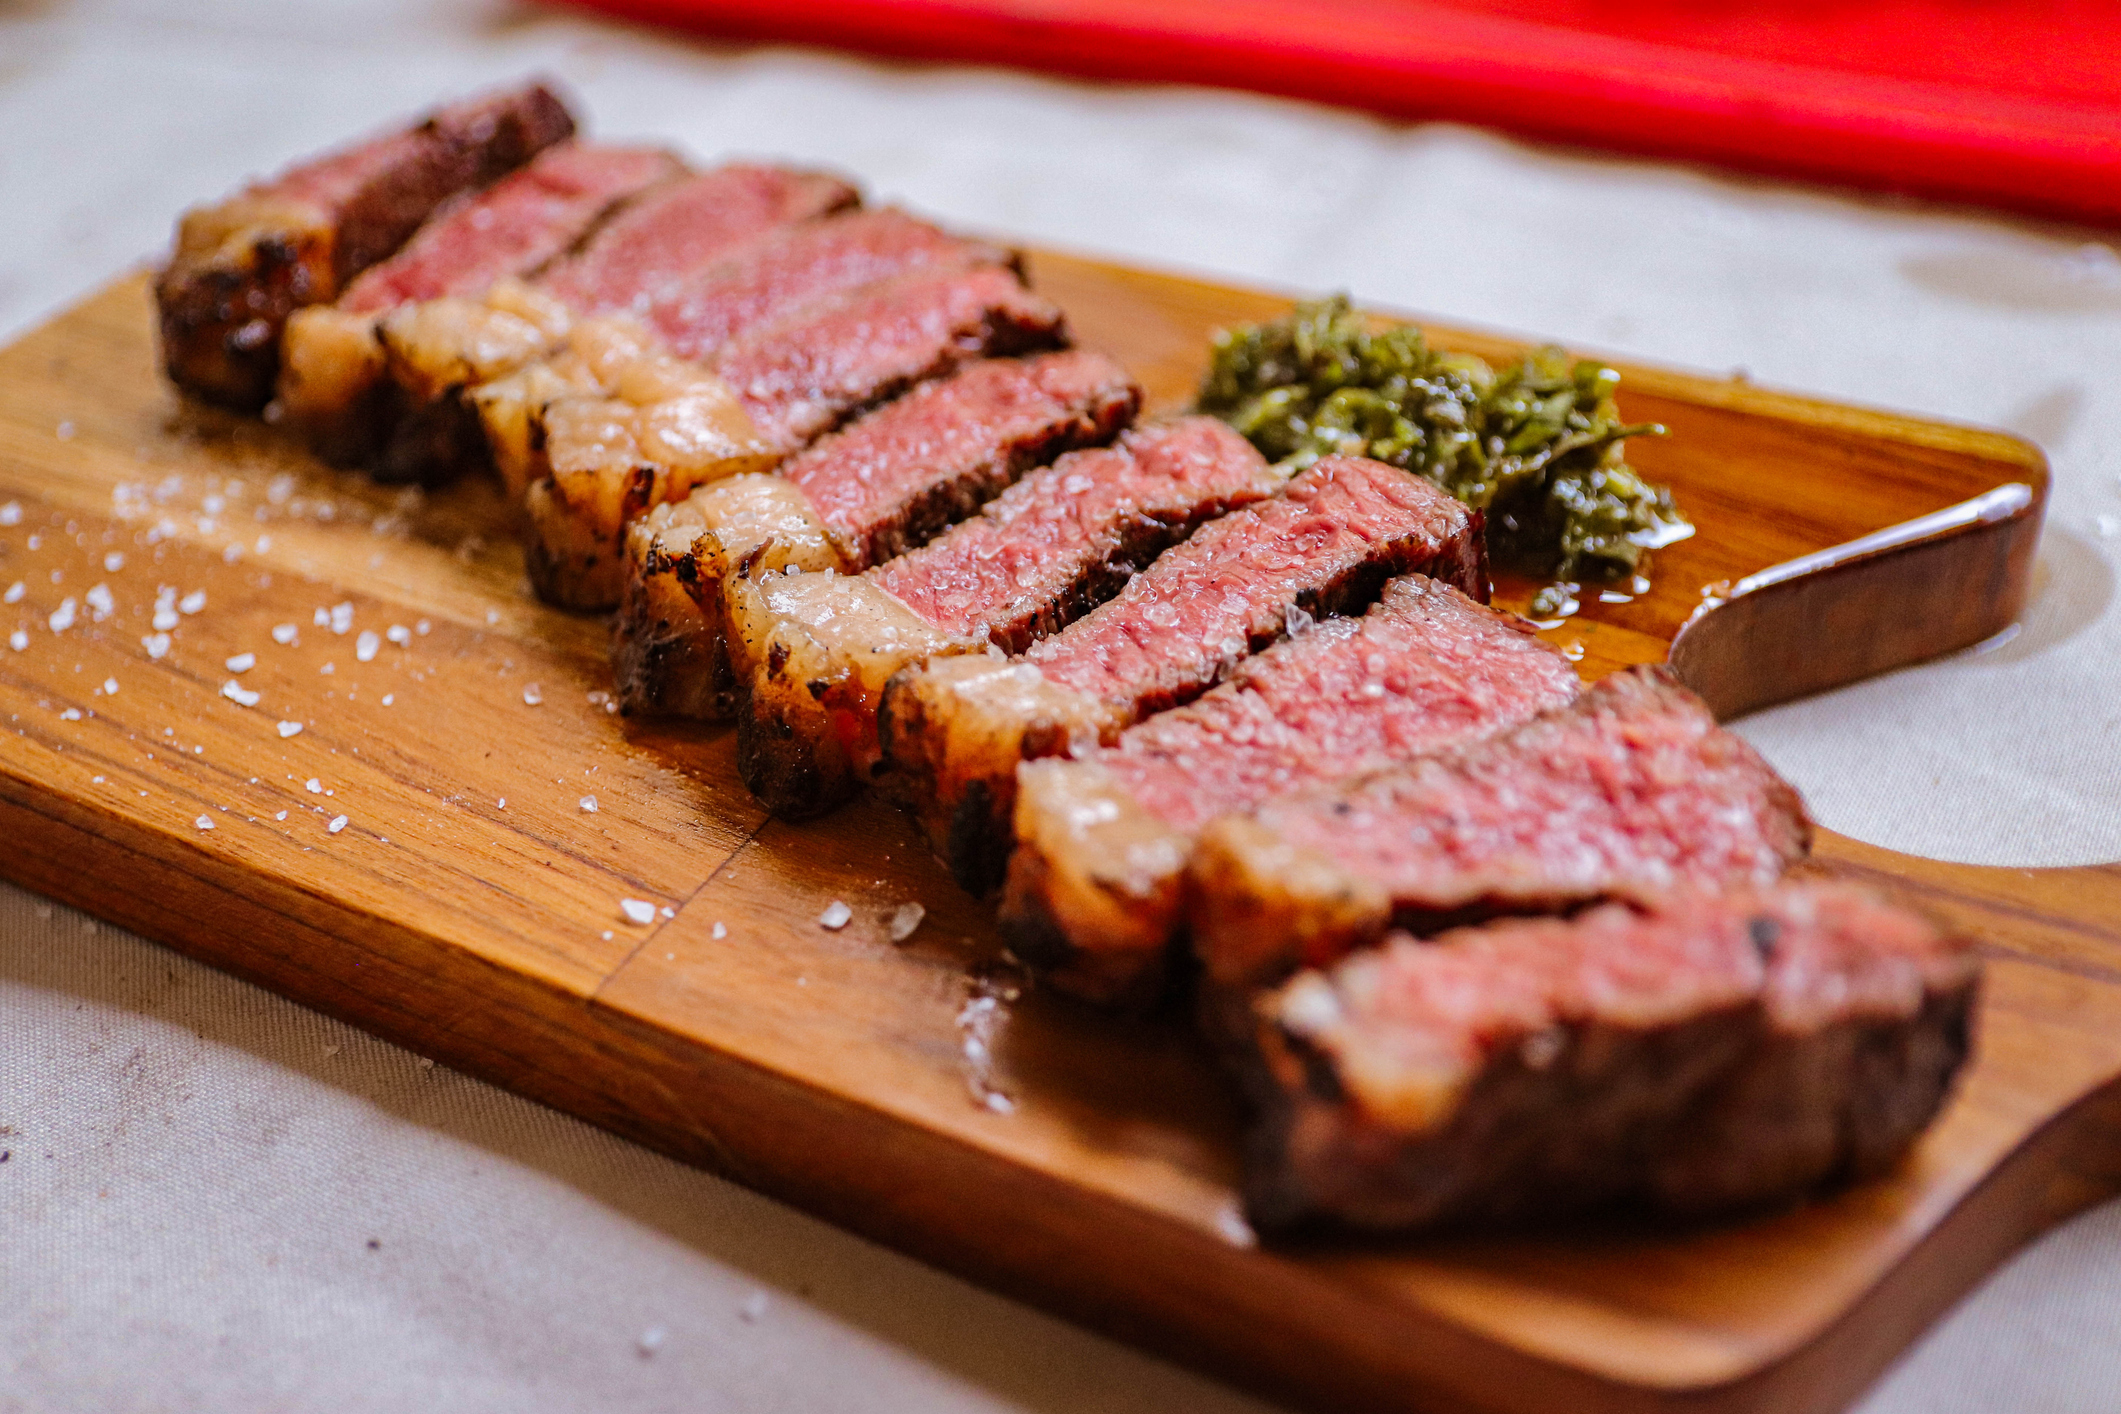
[(2012, 103)]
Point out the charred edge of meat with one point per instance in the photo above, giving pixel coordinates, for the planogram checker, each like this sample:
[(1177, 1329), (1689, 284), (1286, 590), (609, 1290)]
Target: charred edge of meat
[(432, 444), (794, 778), (220, 327), (220, 319)]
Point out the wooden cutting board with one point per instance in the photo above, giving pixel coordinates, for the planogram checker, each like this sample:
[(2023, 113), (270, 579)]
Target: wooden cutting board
[(469, 904)]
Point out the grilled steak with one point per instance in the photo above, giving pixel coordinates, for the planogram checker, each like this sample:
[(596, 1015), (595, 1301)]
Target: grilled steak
[(1709, 1054), (813, 651), (332, 374), (241, 266), (763, 279), (439, 348), (1096, 887), (1631, 790), (958, 729), (884, 484), (783, 385)]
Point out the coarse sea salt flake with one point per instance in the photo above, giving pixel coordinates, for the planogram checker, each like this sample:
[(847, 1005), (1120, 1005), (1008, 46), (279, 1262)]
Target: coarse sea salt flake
[(904, 921), (11, 513), (366, 645), (237, 692), (156, 644), (204, 823), (62, 617), (322, 618), (14, 593), (313, 786), (18, 640), (398, 634), (71, 714), (110, 687), (113, 562), (288, 729), (389, 697), (589, 805), (637, 910), (721, 930), (165, 620), (338, 823), (101, 601), (241, 663), (284, 634), (193, 602), (341, 617), (836, 916)]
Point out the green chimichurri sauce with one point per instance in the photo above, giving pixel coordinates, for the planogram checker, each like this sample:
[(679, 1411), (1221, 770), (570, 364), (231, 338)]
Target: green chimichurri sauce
[(1538, 445)]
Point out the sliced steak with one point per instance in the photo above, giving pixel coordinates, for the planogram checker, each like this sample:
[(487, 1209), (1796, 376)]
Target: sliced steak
[(1096, 888), (764, 279), (440, 348), (241, 266), (1631, 790), (782, 386), (333, 376), (1712, 1053), (657, 249), (885, 483), (813, 651), (958, 729)]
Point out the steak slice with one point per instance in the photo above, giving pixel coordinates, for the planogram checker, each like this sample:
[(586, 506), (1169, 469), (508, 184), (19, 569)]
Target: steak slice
[(1713, 1053), (884, 484), (333, 371), (1327, 543), (812, 651), (1631, 790), (438, 349), (241, 266), (1096, 888), (764, 279), (783, 385)]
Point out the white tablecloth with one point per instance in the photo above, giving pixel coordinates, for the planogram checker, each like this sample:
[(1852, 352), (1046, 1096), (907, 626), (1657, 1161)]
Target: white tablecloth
[(214, 1200)]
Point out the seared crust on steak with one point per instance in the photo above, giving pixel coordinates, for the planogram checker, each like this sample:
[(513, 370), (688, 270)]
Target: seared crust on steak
[(1708, 1054), (1630, 791), (885, 483), (814, 652), (669, 656), (242, 266), (1324, 545), (1095, 893), (333, 374), (669, 429)]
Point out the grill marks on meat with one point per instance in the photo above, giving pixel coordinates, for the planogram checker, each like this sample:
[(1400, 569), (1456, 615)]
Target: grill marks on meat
[(242, 266), (790, 381), (334, 368), (885, 483), (1095, 892), (814, 651), (1326, 543), (1706, 1055), (1631, 790)]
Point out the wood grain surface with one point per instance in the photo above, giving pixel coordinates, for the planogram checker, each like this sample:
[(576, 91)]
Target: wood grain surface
[(470, 904)]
